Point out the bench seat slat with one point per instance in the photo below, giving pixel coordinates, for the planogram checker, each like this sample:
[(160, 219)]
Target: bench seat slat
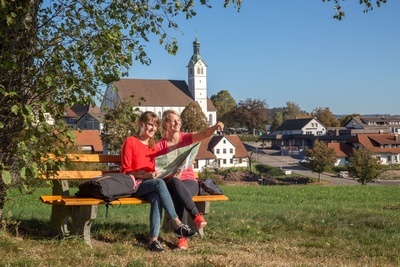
[(74, 201)]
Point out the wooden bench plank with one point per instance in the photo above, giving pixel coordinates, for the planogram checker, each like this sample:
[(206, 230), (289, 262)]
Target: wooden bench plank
[(96, 158), (75, 201)]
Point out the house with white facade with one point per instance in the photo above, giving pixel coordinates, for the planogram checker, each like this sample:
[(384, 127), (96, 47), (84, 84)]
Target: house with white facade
[(295, 134), (342, 151), (221, 151), (159, 95), (385, 147), (373, 124)]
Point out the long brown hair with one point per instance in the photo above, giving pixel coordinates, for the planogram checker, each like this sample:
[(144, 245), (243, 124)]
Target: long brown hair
[(165, 118), (149, 117)]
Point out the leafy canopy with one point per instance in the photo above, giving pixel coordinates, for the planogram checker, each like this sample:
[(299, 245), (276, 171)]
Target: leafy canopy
[(364, 165), (55, 54), (321, 157)]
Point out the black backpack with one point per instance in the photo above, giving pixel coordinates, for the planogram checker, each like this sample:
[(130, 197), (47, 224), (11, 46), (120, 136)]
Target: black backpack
[(108, 187)]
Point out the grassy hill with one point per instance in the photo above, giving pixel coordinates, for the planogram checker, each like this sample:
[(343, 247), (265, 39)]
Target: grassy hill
[(259, 226)]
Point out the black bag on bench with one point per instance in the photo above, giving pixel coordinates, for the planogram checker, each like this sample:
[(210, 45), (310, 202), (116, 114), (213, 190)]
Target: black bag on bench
[(209, 187), (108, 187)]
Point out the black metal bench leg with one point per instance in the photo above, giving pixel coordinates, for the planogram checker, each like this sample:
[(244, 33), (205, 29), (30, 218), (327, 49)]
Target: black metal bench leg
[(82, 218)]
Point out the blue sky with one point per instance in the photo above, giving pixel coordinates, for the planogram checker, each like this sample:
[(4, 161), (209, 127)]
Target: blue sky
[(291, 50)]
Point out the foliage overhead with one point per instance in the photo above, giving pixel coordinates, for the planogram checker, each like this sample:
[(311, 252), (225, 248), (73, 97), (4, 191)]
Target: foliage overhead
[(368, 6), (364, 166), (193, 119)]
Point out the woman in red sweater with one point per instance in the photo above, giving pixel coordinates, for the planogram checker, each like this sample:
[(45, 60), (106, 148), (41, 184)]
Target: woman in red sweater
[(137, 158)]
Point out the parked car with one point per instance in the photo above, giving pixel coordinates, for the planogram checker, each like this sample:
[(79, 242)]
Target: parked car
[(305, 160)]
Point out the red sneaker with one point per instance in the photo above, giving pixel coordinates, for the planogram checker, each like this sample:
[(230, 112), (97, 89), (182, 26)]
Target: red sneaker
[(182, 243), (199, 221)]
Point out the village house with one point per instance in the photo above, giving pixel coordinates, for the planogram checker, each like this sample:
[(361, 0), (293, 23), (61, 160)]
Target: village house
[(221, 151), (294, 135)]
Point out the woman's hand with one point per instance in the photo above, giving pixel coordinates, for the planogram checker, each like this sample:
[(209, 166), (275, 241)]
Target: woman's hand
[(147, 175), (219, 126)]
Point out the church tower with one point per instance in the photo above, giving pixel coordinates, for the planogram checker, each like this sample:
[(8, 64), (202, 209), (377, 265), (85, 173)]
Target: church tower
[(197, 78)]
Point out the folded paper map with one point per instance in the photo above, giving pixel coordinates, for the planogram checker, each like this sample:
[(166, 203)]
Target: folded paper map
[(178, 159)]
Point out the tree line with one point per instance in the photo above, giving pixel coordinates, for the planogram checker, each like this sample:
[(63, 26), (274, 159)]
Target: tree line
[(255, 115)]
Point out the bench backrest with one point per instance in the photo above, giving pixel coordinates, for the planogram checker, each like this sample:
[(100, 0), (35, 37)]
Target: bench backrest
[(113, 165), (112, 162)]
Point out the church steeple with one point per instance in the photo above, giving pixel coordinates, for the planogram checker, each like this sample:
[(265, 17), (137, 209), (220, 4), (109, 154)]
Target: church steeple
[(197, 78), (196, 47), (196, 53)]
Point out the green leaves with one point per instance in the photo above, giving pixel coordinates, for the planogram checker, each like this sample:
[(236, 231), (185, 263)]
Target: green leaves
[(6, 177)]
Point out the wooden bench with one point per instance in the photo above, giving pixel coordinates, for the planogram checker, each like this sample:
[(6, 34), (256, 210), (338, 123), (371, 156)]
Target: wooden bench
[(83, 211)]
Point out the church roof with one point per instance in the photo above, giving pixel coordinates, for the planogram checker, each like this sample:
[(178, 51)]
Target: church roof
[(162, 93)]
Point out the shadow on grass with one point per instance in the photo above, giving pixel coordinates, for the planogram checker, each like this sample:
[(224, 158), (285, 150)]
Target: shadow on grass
[(109, 232)]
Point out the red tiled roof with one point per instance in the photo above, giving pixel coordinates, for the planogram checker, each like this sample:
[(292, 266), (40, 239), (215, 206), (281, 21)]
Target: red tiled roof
[(69, 113), (204, 152), (207, 145), (375, 141), (341, 149), (89, 138)]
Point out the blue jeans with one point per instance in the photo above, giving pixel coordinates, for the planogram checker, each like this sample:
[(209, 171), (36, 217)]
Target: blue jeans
[(156, 192)]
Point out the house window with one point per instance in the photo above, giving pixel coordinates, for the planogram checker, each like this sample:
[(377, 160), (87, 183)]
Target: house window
[(231, 150), (240, 160), (84, 126), (231, 161), (217, 151), (308, 132), (224, 141), (389, 158), (224, 151), (224, 161)]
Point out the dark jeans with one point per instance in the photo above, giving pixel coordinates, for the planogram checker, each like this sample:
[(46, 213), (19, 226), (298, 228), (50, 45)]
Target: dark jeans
[(182, 193)]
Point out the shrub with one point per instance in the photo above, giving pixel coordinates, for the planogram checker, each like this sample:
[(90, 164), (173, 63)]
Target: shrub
[(272, 171)]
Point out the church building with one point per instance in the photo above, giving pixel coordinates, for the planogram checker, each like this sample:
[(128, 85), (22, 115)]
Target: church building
[(159, 95)]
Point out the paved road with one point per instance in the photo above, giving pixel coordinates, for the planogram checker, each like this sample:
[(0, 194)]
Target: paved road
[(275, 159)]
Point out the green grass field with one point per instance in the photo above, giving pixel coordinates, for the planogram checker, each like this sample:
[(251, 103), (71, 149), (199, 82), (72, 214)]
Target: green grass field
[(259, 226)]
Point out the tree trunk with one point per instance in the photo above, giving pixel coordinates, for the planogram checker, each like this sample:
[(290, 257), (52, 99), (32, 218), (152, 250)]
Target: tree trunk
[(3, 199)]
